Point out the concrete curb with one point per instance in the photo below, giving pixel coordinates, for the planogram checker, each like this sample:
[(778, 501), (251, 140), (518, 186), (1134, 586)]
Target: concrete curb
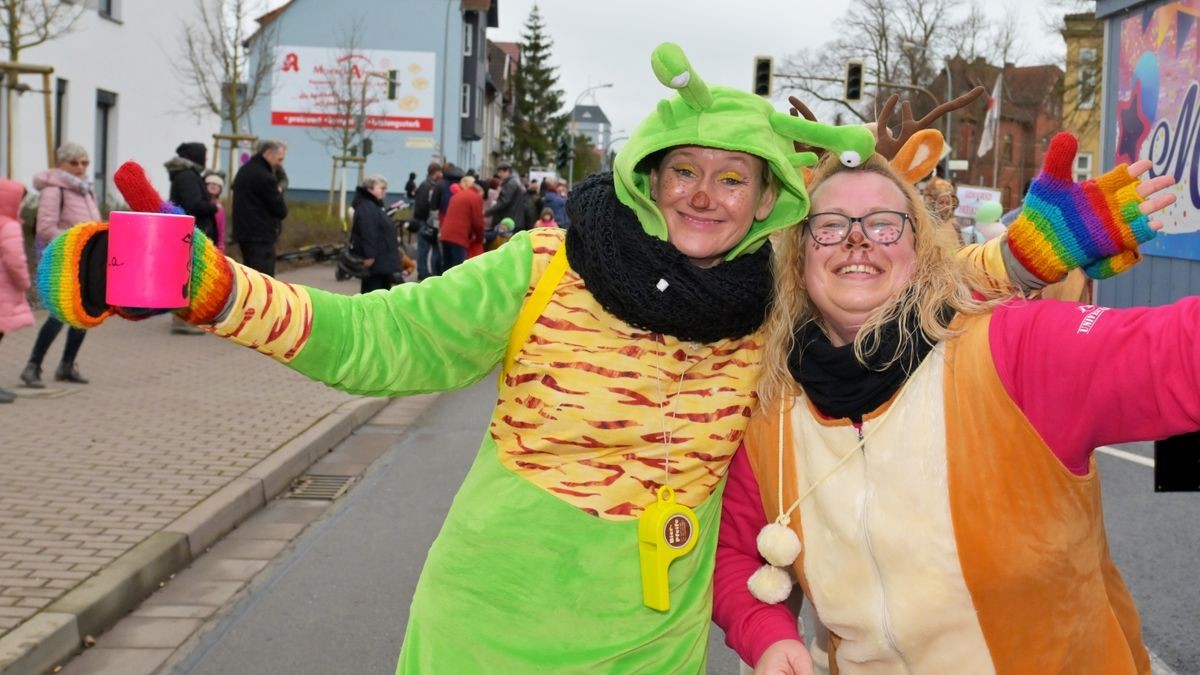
[(55, 634)]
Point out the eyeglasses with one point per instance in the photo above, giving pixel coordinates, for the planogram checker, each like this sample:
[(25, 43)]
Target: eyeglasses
[(881, 227)]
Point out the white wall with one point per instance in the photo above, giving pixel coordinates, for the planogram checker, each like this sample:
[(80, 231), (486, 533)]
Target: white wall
[(131, 56)]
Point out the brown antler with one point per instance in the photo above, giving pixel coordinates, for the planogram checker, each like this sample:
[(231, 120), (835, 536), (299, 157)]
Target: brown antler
[(798, 109), (888, 144)]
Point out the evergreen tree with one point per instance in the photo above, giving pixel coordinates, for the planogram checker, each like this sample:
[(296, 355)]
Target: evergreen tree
[(537, 122)]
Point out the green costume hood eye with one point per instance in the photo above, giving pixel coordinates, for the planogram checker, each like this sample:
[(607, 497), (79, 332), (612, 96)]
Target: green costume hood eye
[(728, 119)]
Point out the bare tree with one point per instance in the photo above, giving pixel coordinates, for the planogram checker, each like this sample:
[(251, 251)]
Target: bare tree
[(29, 23), (225, 69), (347, 97), (904, 45)]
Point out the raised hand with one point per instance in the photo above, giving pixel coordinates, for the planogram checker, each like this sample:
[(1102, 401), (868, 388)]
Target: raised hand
[(1096, 225)]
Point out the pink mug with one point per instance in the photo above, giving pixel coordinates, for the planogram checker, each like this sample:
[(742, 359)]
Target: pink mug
[(149, 259)]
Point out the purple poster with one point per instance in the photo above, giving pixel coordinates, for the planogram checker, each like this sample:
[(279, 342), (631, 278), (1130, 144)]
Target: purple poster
[(1158, 112)]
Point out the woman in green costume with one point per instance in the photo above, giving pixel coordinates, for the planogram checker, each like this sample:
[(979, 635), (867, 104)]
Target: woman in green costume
[(583, 537)]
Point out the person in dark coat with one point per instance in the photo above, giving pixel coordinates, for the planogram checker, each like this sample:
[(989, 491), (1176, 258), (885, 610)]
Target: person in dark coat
[(429, 253), (186, 170), (410, 188), (512, 202), (258, 206), (187, 186), (373, 235)]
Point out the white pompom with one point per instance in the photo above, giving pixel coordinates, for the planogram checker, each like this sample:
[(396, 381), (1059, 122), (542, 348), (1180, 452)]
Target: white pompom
[(778, 544), (770, 584)]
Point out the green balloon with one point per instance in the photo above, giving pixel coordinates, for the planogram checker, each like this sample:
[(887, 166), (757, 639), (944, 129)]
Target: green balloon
[(988, 212)]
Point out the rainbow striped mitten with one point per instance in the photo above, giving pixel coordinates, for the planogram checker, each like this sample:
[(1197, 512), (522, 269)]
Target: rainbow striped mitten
[(1095, 224), (72, 276)]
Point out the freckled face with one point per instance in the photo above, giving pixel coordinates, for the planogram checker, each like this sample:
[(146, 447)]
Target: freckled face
[(848, 281), (709, 199)]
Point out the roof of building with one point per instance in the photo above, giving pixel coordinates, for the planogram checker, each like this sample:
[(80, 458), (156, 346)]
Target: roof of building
[(589, 114)]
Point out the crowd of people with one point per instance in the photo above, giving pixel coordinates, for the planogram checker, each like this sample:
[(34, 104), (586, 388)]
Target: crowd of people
[(728, 376), (458, 215)]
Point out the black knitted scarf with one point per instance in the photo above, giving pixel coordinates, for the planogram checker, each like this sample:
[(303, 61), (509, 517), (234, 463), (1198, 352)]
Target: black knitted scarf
[(623, 267), (842, 386)]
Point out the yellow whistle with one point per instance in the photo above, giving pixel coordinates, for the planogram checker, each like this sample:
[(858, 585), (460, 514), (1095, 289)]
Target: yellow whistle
[(666, 531)]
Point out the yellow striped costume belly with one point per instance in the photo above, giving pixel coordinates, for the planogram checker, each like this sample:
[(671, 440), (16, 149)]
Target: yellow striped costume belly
[(591, 403)]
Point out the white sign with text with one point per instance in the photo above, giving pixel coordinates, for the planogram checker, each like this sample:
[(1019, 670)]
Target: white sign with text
[(309, 81)]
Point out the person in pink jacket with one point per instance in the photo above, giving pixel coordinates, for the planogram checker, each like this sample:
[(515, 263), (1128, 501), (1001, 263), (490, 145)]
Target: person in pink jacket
[(14, 271), (66, 198), (921, 463)]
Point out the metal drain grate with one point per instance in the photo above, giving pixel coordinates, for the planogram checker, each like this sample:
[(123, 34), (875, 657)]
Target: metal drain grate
[(318, 486)]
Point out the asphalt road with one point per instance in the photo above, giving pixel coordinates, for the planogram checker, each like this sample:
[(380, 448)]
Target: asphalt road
[(337, 600)]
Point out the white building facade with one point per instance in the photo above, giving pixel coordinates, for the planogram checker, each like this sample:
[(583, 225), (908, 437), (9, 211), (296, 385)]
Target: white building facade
[(114, 91)]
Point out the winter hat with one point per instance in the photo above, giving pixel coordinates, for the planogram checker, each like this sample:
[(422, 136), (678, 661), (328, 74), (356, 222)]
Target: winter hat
[(728, 119), (193, 152), (214, 177)]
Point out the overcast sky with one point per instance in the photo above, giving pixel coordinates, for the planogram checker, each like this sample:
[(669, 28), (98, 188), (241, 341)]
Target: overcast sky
[(609, 42)]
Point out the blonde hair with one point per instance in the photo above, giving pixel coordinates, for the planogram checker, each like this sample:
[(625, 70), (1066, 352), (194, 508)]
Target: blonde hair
[(466, 182), (939, 281)]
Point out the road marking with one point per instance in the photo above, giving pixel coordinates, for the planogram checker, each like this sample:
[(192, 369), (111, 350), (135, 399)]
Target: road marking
[(1132, 457), (1157, 667)]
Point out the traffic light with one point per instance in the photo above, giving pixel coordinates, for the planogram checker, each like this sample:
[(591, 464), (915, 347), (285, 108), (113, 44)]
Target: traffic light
[(392, 84), (763, 65), (368, 146), (854, 81), (565, 152)]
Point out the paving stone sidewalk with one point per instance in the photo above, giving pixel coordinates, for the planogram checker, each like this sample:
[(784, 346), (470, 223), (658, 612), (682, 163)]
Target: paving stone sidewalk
[(99, 479)]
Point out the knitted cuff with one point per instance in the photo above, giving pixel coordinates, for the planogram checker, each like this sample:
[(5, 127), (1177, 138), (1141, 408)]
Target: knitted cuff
[(71, 276), (211, 282), (1096, 225)]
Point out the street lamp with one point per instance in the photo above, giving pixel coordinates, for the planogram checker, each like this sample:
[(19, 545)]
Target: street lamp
[(608, 148), (585, 92)]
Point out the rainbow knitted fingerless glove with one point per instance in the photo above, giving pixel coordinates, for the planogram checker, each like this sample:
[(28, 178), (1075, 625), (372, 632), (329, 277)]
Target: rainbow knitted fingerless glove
[(72, 277), (1096, 225)]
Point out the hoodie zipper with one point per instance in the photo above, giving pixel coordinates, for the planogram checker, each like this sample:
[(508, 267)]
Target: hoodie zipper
[(886, 619)]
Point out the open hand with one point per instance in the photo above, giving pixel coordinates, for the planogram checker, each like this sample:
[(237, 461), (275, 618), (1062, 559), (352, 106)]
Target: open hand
[(1152, 191)]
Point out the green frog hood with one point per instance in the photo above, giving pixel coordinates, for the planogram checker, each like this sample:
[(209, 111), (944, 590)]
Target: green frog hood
[(728, 119)]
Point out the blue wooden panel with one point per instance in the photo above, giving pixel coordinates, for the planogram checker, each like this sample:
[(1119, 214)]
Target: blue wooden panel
[(1156, 281)]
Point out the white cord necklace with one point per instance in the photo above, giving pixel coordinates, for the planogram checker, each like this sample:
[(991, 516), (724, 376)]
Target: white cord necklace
[(777, 541)]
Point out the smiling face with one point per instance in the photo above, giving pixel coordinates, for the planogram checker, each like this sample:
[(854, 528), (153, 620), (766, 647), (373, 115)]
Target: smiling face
[(709, 198), (848, 281)]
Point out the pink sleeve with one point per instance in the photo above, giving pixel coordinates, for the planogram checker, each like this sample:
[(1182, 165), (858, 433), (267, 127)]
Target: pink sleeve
[(750, 625), (12, 254), (1087, 376)]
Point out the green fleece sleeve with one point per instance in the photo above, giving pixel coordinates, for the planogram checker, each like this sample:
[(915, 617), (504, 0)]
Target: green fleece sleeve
[(444, 333)]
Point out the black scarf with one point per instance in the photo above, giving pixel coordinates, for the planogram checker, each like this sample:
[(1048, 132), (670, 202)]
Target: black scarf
[(622, 267), (841, 386)]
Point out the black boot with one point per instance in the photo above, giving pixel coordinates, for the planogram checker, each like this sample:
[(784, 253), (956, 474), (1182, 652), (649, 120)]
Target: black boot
[(67, 372), (7, 396), (32, 376)]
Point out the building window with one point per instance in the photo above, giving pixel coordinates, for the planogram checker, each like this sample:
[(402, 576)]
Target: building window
[(1008, 147), (1089, 79), (1083, 166), (465, 104), (107, 8), (60, 109), (106, 104), (468, 39)]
